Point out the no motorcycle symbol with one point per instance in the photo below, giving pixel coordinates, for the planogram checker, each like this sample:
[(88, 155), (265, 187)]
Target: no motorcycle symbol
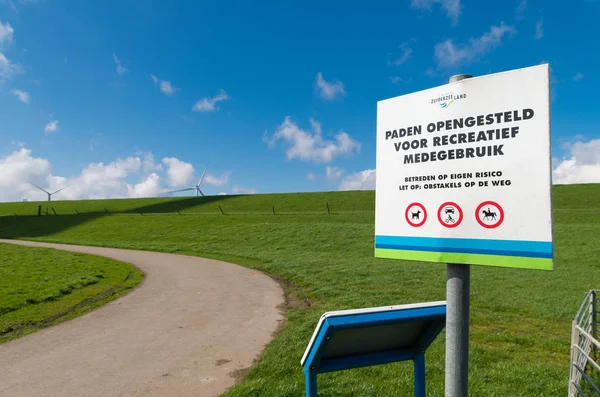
[(489, 214), (450, 214)]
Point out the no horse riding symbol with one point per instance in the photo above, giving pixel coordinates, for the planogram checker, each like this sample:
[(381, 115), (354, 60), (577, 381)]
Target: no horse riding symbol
[(450, 214), (415, 214), (489, 214)]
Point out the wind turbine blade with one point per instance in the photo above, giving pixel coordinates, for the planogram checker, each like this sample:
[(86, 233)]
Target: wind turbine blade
[(59, 190), (202, 177), (200, 191), (40, 188), (183, 190)]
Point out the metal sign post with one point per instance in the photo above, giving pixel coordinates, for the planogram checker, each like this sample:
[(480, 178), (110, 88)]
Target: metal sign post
[(458, 286)]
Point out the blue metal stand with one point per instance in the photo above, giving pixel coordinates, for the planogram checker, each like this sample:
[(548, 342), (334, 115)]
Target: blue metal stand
[(419, 364), (311, 383)]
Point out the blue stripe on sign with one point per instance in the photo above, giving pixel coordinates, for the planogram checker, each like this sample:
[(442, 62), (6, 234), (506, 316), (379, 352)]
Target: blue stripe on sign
[(465, 244), (467, 251)]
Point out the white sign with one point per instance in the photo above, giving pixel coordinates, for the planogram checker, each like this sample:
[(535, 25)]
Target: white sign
[(464, 172)]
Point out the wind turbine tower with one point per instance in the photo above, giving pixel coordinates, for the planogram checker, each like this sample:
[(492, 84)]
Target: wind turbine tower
[(47, 192)]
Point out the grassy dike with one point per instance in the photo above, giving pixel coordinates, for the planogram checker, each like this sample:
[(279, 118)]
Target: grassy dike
[(520, 319)]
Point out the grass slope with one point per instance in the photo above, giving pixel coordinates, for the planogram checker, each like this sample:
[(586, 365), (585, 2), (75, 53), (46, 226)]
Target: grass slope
[(520, 319), (40, 286), (283, 203)]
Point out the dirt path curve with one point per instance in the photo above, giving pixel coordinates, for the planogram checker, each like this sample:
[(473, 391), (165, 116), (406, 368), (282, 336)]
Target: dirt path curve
[(184, 331)]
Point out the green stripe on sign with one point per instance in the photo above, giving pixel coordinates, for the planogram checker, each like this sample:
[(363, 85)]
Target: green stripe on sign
[(467, 259)]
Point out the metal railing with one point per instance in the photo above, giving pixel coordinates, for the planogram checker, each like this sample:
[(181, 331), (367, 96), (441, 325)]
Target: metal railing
[(584, 349)]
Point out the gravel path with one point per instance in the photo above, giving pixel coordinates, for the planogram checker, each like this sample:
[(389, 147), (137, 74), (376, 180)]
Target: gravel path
[(188, 329)]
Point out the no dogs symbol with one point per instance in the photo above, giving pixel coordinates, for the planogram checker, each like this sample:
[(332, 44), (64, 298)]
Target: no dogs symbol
[(489, 214), (450, 214), (415, 214)]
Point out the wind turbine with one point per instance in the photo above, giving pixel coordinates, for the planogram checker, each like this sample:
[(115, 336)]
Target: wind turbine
[(196, 187), (47, 192)]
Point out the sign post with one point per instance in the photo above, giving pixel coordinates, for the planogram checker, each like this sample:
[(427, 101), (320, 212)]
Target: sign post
[(464, 178), (458, 292)]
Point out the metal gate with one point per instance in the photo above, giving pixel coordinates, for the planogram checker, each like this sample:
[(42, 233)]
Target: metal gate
[(584, 349)]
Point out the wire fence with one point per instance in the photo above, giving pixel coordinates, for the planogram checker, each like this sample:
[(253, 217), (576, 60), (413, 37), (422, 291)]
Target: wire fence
[(174, 210), (584, 349)]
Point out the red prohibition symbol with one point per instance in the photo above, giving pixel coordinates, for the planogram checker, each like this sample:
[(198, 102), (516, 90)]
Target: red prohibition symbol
[(447, 214), (420, 215), (488, 214)]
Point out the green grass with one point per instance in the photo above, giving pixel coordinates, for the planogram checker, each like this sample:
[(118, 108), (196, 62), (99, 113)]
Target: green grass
[(520, 319), (40, 287), (284, 203)]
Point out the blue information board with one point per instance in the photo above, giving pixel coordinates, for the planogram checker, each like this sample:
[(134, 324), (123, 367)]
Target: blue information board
[(349, 339)]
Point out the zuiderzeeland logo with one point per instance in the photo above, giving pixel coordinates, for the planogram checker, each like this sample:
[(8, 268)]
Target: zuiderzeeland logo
[(446, 100)]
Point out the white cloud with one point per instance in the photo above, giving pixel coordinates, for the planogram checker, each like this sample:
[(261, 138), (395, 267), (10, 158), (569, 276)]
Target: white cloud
[(310, 146), (7, 68), (520, 11), (22, 95), (18, 169), (124, 177), (222, 194), (363, 180), (448, 54), (6, 34), (179, 172), (578, 76), (539, 29), (334, 173), (95, 181), (120, 68), (165, 86), (217, 181), (150, 187), (406, 53), (236, 189), (209, 104), (311, 177), (452, 7), (51, 126), (148, 163), (396, 79), (329, 90), (582, 166)]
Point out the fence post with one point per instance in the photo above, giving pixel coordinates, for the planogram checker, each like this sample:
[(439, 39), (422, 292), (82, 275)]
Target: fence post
[(221, 210), (572, 370), (273, 210), (328, 211), (46, 211), (594, 318)]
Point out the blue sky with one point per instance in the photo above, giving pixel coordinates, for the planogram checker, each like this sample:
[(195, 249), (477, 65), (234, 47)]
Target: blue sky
[(128, 98)]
